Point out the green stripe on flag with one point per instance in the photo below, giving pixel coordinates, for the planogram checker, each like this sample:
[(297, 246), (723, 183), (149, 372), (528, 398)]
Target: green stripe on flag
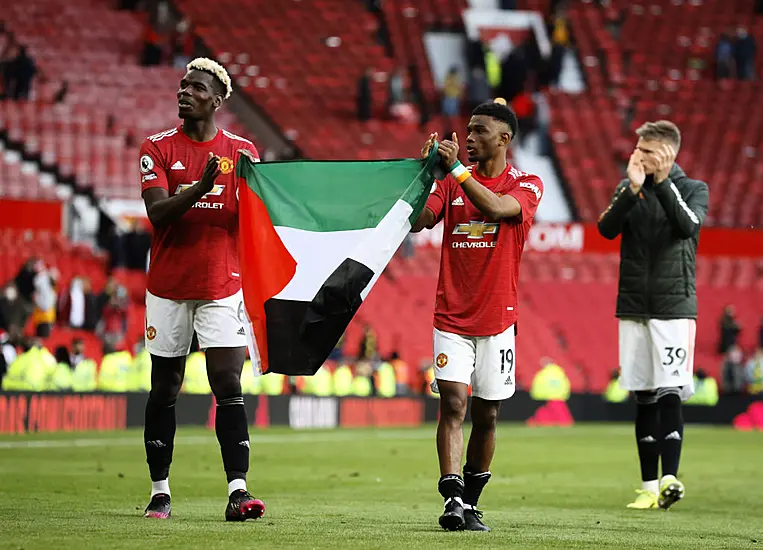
[(338, 196)]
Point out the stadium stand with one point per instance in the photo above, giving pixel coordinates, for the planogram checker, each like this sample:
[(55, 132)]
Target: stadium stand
[(655, 75), (310, 96), (91, 138)]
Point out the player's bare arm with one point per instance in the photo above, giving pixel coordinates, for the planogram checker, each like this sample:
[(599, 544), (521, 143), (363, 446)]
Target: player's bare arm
[(163, 209), (490, 204)]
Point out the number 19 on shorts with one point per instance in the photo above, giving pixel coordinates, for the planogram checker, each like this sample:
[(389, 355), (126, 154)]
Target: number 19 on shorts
[(507, 365)]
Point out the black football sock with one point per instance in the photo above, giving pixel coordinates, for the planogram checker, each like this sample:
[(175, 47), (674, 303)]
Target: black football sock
[(233, 435), (451, 486), (159, 437), (671, 433), (647, 427), (474, 482)]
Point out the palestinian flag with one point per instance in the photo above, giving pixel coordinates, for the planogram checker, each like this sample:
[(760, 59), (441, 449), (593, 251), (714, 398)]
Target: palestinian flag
[(314, 238)]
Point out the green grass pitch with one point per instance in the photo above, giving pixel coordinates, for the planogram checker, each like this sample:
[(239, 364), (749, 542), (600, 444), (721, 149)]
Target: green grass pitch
[(551, 488)]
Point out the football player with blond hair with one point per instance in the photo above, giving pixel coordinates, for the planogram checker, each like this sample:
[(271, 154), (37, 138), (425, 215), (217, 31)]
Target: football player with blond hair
[(188, 185)]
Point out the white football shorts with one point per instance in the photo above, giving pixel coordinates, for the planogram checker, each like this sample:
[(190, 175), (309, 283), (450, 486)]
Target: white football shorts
[(487, 363), (656, 354), (170, 324)]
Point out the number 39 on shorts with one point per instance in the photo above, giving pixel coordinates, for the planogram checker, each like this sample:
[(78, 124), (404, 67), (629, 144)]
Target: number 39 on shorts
[(674, 356)]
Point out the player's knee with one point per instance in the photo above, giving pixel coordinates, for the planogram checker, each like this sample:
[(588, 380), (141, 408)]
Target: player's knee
[(646, 397), (453, 406), (225, 383), (165, 391), (485, 417)]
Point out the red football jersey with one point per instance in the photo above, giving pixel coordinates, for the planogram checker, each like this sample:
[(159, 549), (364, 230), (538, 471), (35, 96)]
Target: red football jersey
[(195, 257), (479, 268)]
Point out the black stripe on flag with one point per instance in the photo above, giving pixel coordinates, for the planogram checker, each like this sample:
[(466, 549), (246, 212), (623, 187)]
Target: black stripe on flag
[(301, 335)]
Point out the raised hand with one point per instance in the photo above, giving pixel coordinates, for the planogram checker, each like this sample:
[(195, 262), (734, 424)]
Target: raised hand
[(665, 156), (448, 150), (428, 145), (636, 172), (211, 171)]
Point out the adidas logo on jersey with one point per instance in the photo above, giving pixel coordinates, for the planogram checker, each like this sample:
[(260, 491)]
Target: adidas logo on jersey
[(177, 166), (458, 201), (241, 332)]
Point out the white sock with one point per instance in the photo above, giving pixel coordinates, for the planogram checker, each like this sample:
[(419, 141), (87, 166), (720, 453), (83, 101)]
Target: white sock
[(235, 485), (652, 486), (162, 486)]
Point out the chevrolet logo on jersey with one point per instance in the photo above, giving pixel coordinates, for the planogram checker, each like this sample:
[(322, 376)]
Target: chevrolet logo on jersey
[(476, 230), (216, 191)]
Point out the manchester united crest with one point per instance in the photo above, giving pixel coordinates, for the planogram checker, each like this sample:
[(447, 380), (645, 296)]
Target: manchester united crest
[(441, 361), (226, 165), (150, 333)]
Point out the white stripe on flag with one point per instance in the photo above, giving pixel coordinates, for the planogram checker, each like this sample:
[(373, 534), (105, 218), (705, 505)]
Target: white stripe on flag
[(377, 250), (319, 253)]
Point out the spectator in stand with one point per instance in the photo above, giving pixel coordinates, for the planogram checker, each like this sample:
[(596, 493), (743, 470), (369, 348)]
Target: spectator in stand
[(62, 355), (92, 310), (543, 123), (19, 72), (560, 41), (113, 326), (364, 98), (733, 371), (73, 305), (754, 372), (724, 57), (729, 330), (478, 90), (182, 44), (745, 50), (44, 314), (137, 243), (109, 290), (13, 314), (396, 89), (524, 107), (368, 345), (452, 92), (25, 282), (152, 49), (78, 352)]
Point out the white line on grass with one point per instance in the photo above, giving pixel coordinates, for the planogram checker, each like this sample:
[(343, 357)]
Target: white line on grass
[(349, 435), (295, 437)]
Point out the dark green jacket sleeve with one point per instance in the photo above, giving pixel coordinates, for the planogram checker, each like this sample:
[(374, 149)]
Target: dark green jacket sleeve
[(612, 219), (685, 212)]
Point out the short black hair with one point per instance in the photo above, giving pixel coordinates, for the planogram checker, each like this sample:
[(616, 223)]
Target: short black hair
[(500, 112)]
